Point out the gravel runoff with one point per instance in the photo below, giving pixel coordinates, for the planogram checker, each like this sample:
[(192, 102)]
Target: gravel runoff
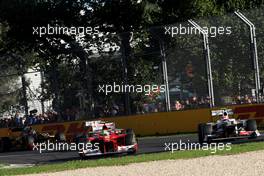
[(245, 164)]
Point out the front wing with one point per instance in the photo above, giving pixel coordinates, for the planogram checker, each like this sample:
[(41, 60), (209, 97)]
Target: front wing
[(121, 149), (243, 135)]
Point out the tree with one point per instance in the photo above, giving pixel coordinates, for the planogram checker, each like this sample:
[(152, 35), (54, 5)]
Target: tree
[(81, 63)]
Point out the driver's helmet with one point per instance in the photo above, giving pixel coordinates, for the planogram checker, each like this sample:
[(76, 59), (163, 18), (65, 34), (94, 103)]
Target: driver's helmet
[(225, 116), (105, 127), (105, 130)]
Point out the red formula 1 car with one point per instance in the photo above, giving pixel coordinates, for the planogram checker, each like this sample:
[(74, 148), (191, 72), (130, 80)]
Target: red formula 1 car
[(103, 138)]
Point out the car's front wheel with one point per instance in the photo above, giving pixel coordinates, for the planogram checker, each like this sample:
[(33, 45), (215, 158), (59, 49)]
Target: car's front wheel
[(130, 139), (203, 131), (5, 144), (30, 142)]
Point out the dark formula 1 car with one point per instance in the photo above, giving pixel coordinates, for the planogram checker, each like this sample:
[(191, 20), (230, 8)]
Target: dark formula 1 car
[(24, 138), (226, 128), (106, 139)]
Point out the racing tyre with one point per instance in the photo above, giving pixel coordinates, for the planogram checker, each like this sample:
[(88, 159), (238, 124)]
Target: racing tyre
[(81, 139), (130, 139), (30, 142), (60, 137), (201, 135), (5, 144), (2, 146), (208, 129), (203, 131), (251, 125), (82, 156)]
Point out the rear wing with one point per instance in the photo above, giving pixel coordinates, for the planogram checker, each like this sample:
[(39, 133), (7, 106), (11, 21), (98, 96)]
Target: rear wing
[(97, 125), (220, 112)]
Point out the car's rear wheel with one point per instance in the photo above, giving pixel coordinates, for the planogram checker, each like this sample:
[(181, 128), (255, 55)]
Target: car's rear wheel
[(81, 139), (251, 125)]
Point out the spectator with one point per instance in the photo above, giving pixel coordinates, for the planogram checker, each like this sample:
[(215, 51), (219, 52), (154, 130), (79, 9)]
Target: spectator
[(178, 105), (17, 119), (238, 100), (247, 100), (194, 102), (187, 104)]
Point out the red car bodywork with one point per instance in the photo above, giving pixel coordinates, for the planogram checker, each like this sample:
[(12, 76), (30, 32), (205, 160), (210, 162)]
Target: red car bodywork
[(110, 141)]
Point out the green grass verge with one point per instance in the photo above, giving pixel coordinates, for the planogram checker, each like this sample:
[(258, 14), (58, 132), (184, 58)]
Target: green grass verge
[(2, 165), (110, 161)]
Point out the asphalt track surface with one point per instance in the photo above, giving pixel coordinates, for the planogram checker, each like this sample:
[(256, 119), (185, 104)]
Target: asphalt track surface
[(146, 145)]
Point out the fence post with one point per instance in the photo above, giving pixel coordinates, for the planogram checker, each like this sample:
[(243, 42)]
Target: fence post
[(165, 76), (254, 52), (208, 62)]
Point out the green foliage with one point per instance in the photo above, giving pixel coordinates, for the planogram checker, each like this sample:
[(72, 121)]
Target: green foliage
[(69, 64)]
